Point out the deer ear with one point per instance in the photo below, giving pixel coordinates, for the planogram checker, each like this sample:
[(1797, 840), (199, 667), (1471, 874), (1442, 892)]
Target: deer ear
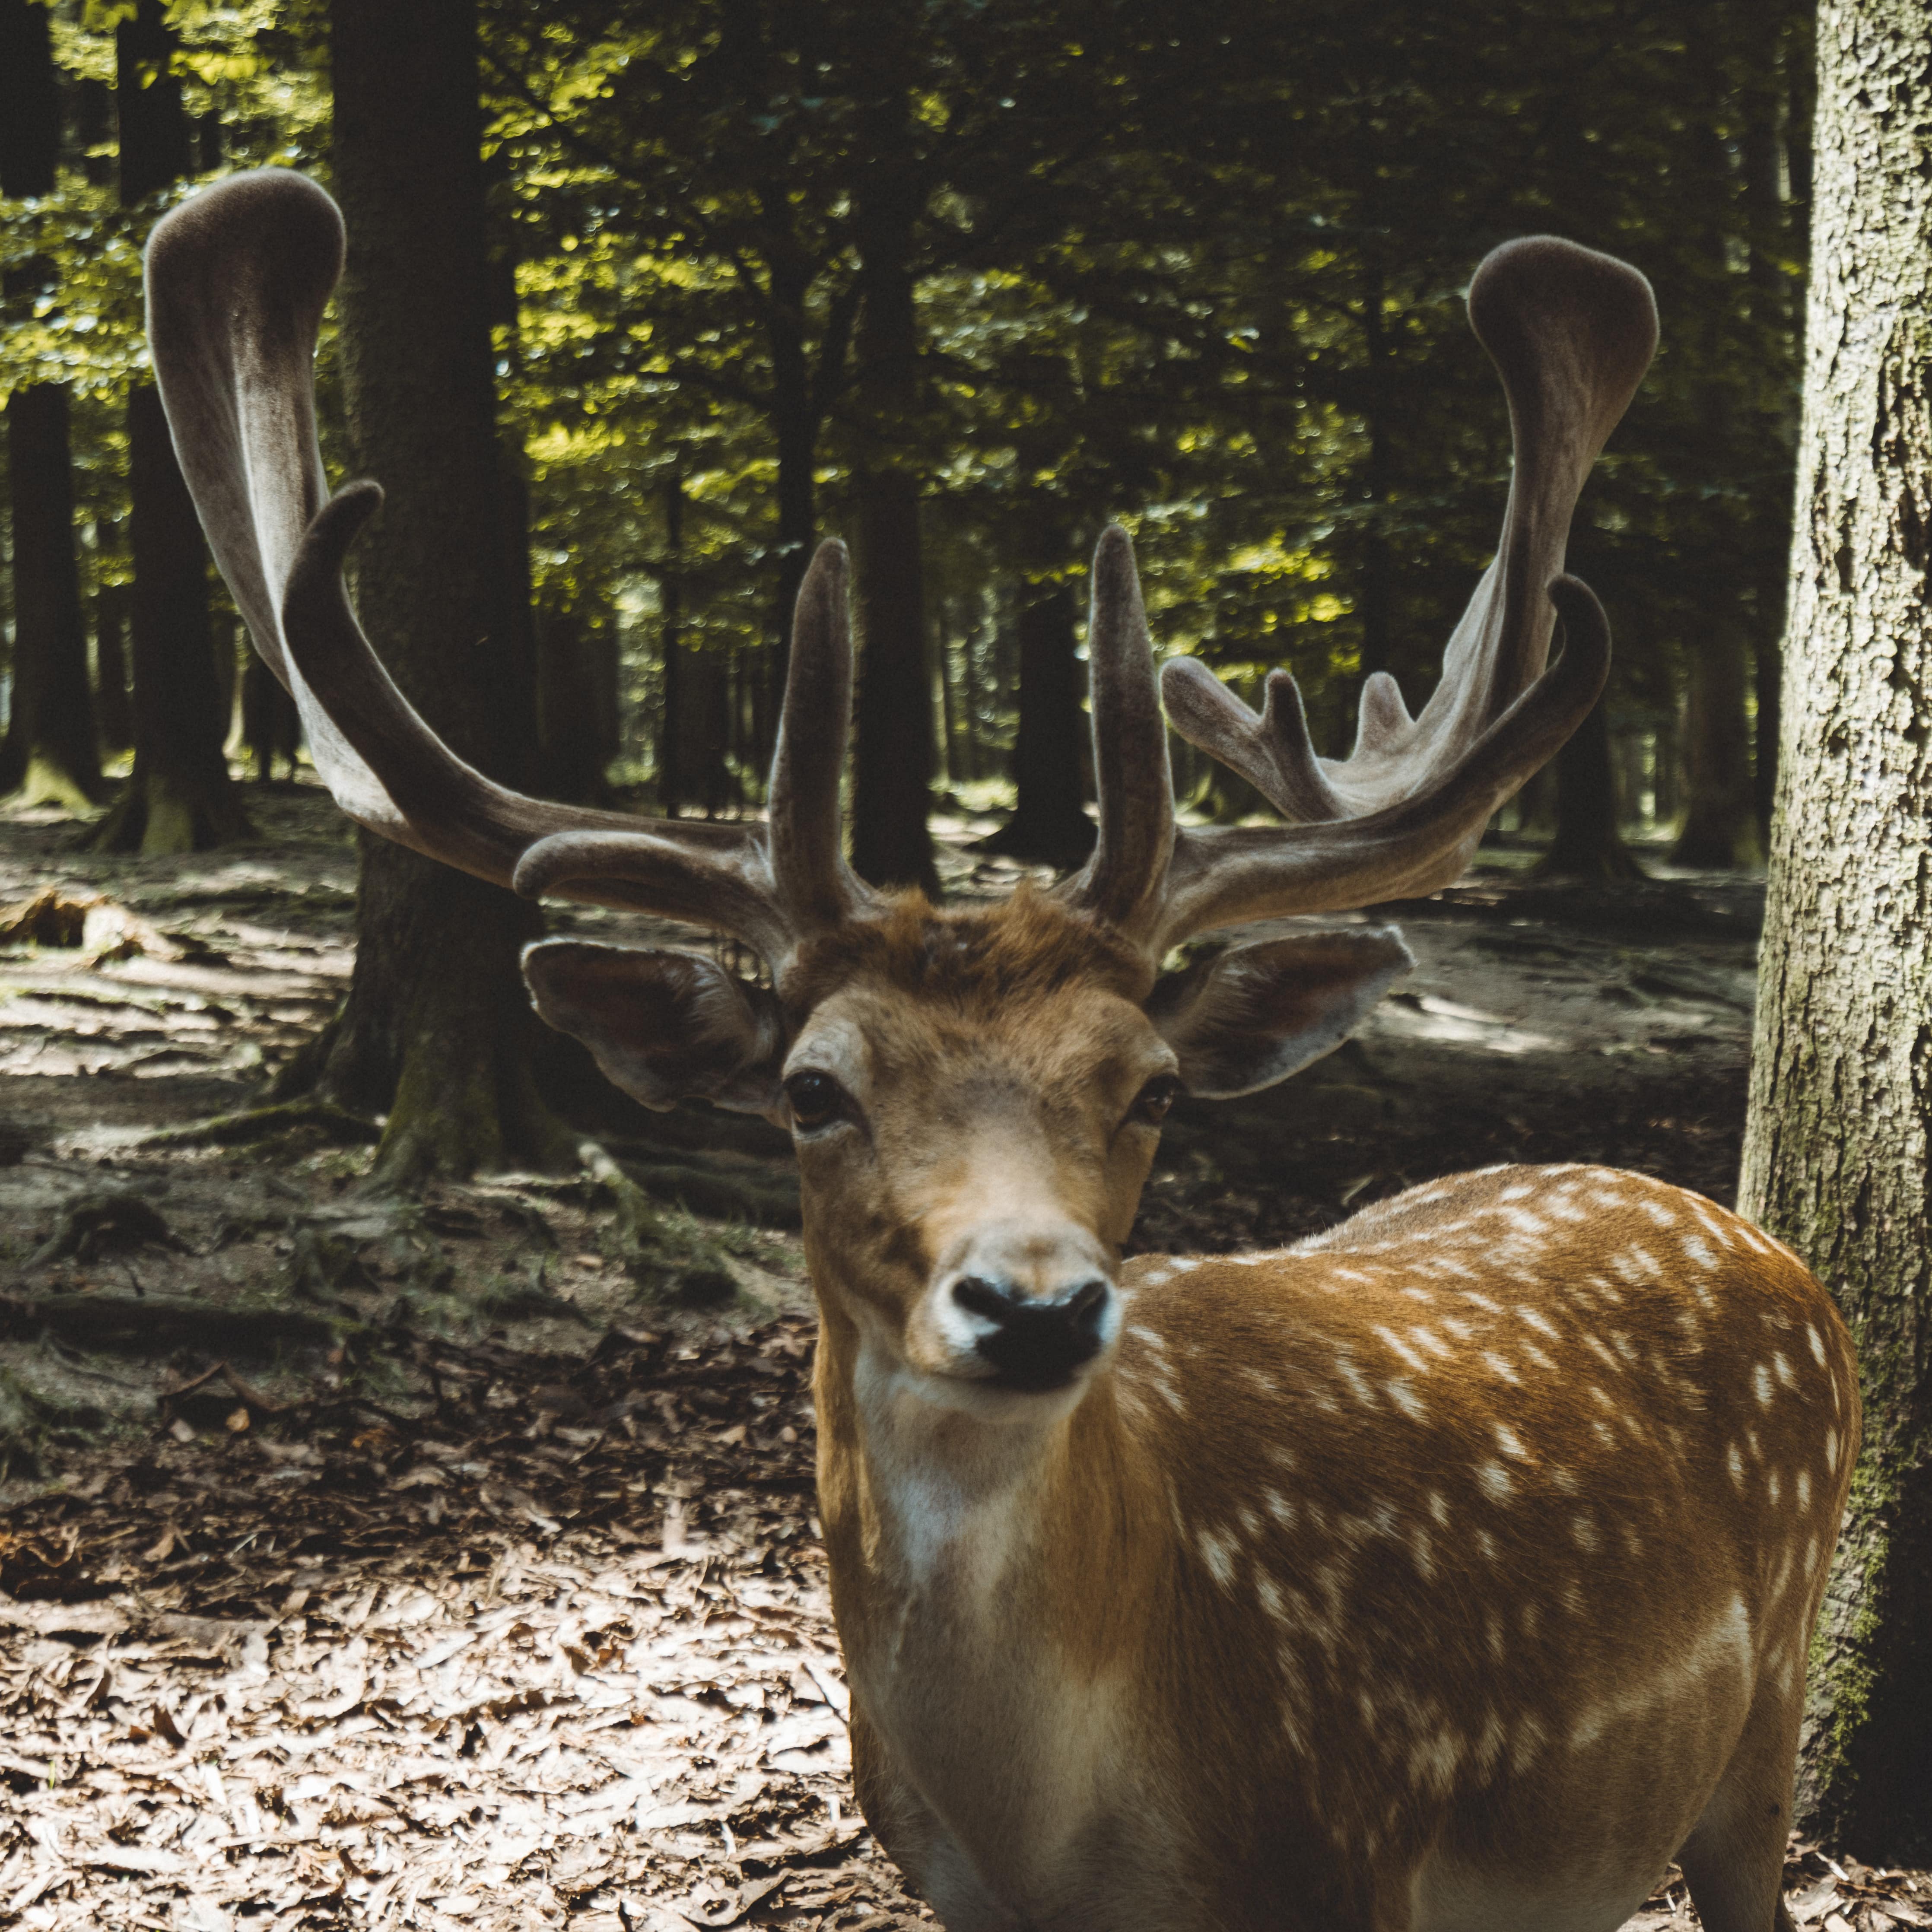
[(663, 1026), (1251, 1016)]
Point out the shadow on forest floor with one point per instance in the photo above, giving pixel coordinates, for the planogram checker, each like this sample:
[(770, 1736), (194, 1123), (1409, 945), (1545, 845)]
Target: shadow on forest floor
[(441, 1572)]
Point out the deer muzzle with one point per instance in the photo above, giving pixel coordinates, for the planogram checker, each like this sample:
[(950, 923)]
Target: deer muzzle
[(1028, 1310)]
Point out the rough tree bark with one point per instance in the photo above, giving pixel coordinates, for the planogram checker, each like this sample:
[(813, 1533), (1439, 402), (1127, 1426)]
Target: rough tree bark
[(49, 752), (436, 1027), (179, 797), (1840, 1132), (892, 765)]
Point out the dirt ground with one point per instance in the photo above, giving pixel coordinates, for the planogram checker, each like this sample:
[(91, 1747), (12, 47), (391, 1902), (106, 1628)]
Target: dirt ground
[(443, 1562)]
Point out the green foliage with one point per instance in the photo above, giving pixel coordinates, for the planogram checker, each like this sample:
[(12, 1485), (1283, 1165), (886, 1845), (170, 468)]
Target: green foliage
[(1203, 276)]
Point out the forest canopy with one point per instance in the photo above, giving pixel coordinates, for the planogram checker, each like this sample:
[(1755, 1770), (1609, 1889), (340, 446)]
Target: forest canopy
[(1202, 276)]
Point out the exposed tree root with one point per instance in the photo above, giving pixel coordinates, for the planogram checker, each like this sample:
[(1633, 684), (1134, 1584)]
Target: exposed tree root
[(97, 1221), (668, 1255), (101, 1321), (262, 1124), (724, 1192)]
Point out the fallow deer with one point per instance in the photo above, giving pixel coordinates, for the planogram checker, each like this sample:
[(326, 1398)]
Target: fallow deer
[(1452, 1569)]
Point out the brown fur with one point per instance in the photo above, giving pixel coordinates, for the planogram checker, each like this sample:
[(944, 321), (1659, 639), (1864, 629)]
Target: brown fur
[(973, 959)]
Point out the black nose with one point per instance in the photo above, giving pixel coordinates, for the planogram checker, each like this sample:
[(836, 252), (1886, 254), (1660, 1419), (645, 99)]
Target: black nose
[(1035, 1344)]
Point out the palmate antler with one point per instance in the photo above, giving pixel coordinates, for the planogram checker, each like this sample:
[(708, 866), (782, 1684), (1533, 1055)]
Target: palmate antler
[(237, 279), (1571, 333)]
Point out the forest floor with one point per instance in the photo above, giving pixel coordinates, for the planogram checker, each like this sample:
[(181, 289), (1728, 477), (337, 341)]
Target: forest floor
[(432, 1563)]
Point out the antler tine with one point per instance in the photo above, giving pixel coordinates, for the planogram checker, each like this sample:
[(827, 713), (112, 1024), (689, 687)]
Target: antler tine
[(1571, 332), (1122, 882), (237, 279), (1221, 876), (817, 889), (802, 884)]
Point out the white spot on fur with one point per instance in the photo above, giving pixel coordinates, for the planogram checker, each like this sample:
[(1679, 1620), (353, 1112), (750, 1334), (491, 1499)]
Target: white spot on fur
[(1495, 1364), (1511, 1443), (1784, 1370), (1817, 1342), (1218, 1553), (1801, 1489), (1495, 1480), (1405, 1399), (1734, 1463), (1584, 1528), (1394, 1343), (1761, 1384), (1358, 1386), (1699, 1252)]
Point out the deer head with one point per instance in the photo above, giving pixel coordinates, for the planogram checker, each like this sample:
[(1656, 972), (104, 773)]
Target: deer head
[(976, 1094)]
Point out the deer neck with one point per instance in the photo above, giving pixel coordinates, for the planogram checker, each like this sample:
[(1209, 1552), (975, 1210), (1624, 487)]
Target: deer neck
[(938, 1510)]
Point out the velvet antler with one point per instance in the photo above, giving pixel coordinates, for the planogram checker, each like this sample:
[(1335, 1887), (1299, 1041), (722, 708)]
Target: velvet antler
[(1570, 332), (237, 279)]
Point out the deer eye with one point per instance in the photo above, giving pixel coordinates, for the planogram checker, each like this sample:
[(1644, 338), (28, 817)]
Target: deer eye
[(1160, 1092), (815, 1098)]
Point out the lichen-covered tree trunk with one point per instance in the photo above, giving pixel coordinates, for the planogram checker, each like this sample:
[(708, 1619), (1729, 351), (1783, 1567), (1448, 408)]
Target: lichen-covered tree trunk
[(436, 1027), (1840, 1126)]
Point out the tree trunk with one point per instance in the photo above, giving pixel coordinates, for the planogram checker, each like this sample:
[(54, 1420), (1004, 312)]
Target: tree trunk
[(50, 749), (576, 717), (436, 1028), (50, 754), (1587, 843), (114, 716), (180, 797), (891, 766), (1048, 823), (1770, 682), (697, 724), (271, 725), (1840, 1132), (795, 426), (1720, 823)]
